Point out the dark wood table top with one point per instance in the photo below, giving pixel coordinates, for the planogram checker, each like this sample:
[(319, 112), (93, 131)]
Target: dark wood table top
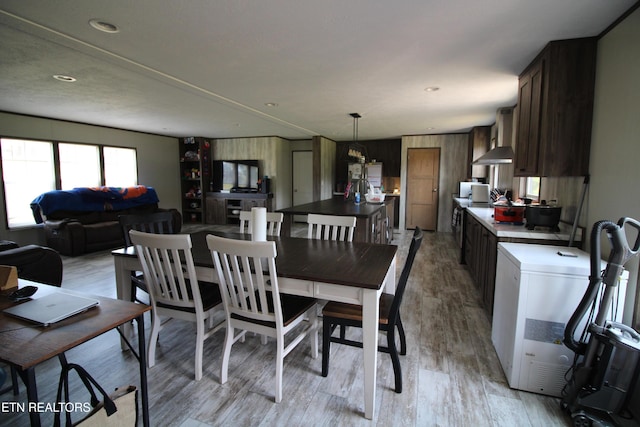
[(334, 206), (362, 265), (25, 344)]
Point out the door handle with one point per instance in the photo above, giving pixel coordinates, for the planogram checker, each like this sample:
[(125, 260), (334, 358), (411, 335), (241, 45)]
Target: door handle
[(435, 190)]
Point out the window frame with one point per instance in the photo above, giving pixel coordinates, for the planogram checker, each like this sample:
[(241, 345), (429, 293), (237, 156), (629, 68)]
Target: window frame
[(57, 169)]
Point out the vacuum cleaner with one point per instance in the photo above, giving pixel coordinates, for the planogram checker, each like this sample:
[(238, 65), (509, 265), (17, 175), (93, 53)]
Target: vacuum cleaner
[(602, 386)]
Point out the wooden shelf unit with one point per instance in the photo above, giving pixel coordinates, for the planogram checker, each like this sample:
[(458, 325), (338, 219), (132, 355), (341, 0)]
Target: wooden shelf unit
[(224, 208), (195, 175)]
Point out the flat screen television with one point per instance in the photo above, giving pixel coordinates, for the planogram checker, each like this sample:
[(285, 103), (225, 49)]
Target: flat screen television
[(235, 175)]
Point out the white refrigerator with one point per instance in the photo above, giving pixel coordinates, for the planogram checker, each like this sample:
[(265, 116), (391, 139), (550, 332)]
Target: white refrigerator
[(536, 292)]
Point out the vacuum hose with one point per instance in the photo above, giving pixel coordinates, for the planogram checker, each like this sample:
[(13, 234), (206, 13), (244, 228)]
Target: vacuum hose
[(620, 254)]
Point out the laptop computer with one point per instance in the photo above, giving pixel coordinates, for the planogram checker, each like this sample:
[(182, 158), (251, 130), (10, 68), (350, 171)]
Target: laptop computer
[(51, 308)]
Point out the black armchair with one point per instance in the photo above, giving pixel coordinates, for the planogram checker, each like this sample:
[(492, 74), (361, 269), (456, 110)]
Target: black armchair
[(36, 263)]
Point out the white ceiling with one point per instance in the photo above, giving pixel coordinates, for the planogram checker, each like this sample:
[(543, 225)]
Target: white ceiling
[(208, 67)]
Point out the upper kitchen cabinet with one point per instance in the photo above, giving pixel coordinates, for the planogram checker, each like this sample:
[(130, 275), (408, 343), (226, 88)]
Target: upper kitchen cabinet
[(385, 151), (479, 144), (555, 103)]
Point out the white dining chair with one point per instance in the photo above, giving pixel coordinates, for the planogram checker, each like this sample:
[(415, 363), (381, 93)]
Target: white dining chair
[(174, 290), (274, 222), (331, 227), (253, 302)]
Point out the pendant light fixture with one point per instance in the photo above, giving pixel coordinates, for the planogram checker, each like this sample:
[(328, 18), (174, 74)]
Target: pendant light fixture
[(355, 149)]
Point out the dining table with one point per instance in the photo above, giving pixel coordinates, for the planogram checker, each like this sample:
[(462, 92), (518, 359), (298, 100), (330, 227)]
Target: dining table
[(350, 272)]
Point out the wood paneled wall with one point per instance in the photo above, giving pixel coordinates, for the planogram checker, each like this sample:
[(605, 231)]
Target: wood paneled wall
[(274, 155), (453, 169), (324, 167)]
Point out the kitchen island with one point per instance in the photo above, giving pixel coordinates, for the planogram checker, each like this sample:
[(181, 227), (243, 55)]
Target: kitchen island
[(374, 221), (480, 235)]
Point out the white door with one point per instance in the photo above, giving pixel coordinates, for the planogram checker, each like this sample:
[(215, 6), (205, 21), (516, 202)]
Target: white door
[(302, 180)]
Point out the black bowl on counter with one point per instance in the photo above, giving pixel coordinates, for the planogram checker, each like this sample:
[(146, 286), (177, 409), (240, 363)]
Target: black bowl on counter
[(542, 216)]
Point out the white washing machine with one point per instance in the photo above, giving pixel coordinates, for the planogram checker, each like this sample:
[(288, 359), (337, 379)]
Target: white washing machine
[(537, 290)]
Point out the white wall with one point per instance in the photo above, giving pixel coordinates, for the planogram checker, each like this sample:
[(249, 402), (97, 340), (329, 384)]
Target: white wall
[(158, 164), (614, 190)]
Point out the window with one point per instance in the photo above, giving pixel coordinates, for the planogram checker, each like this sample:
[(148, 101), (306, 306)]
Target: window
[(79, 166), (27, 172), (533, 187), (120, 167), (29, 169)]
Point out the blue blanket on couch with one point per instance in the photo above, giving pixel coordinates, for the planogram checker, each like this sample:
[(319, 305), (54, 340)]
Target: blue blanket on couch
[(92, 199)]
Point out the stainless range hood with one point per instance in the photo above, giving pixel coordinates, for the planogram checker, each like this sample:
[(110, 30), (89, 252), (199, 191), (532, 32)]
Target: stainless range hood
[(497, 156)]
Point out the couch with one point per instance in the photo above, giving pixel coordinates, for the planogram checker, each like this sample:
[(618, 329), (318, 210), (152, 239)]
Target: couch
[(36, 263), (85, 220)]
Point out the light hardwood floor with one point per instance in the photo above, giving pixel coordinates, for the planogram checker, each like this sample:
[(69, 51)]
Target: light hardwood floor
[(451, 373)]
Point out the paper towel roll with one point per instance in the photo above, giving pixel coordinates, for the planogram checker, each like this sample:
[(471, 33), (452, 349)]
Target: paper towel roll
[(259, 224)]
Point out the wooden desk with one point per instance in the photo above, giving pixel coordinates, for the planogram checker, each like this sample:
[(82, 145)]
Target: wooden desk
[(354, 273), (24, 345)]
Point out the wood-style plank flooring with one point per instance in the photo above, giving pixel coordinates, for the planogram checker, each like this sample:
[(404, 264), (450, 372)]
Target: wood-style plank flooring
[(451, 373)]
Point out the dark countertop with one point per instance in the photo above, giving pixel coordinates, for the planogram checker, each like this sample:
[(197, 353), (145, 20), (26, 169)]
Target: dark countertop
[(334, 206)]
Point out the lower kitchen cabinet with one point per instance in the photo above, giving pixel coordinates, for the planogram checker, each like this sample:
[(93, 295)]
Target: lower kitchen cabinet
[(480, 248), (480, 254)]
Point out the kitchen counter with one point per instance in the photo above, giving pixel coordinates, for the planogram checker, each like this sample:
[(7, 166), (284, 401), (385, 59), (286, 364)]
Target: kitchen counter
[(484, 215), (371, 218), (479, 235)]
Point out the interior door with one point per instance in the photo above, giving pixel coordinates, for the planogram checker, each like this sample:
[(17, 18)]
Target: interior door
[(302, 180), (423, 171)]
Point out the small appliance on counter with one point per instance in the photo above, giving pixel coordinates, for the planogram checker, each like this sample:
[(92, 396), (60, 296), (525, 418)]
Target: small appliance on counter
[(508, 212), (480, 193), (543, 215)]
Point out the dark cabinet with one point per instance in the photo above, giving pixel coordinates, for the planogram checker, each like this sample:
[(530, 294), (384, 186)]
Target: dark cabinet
[(528, 139), (490, 251), (481, 249), (224, 208), (195, 174), (479, 144), (387, 152), (555, 110), (216, 211)]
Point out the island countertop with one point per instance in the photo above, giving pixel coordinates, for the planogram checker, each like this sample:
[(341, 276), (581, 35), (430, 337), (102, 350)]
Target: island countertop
[(334, 206), (371, 218)]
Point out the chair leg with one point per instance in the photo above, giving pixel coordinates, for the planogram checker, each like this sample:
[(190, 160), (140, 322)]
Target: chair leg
[(395, 359), (14, 381), (199, 349), (403, 338), (228, 342), (313, 319), (279, 367), (134, 291), (153, 338), (326, 345)]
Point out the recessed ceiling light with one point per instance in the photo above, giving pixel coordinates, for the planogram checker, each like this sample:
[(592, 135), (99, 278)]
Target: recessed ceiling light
[(63, 78), (271, 104), (103, 26), (432, 89)]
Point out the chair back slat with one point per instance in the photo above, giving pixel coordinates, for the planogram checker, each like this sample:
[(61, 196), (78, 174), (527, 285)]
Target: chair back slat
[(168, 268), (156, 223), (247, 277), (274, 222), (331, 227), (416, 241)]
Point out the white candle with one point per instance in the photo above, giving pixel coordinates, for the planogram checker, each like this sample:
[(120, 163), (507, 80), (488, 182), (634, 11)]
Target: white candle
[(259, 224)]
